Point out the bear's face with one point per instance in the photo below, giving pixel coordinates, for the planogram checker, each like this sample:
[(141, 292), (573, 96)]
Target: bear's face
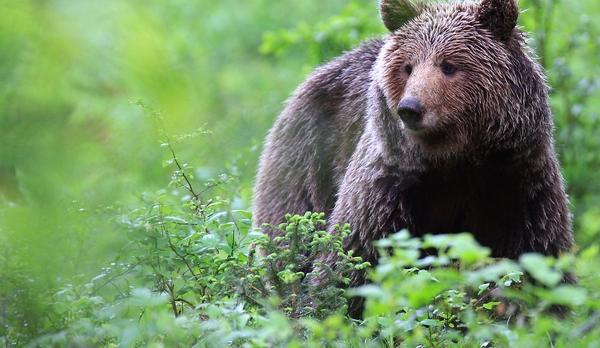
[(448, 73)]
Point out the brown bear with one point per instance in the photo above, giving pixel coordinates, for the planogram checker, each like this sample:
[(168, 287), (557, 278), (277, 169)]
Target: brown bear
[(442, 126)]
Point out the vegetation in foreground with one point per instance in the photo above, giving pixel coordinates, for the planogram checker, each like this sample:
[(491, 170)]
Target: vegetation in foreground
[(192, 277)]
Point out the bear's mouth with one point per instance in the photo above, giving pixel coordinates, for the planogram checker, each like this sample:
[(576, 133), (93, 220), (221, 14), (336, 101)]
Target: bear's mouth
[(416, 126), (427, 135), (420, 125), (420, 130)]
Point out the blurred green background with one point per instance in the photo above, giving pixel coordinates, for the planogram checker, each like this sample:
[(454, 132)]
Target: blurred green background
[(76, 147)]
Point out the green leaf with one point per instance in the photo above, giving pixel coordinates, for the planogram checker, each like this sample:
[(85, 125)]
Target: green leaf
[(483, 287), (490, 305), (566, 295), (539, 268), (430, 322), (368, 291)]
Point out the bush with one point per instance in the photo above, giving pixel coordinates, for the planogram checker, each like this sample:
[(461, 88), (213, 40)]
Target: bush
[(197, 274)]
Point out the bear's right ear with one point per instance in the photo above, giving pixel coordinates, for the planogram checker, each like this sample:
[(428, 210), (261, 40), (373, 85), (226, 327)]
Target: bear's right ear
[(395, 13)]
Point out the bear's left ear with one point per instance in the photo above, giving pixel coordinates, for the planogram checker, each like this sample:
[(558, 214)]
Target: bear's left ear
[(499, 16), (394, 13)]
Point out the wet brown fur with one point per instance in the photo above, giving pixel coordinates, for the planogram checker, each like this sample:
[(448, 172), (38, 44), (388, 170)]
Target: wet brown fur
[(485, 162)]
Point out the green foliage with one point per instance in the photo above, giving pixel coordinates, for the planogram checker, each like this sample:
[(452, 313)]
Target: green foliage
[(95, 249), (325, 40), (191, 264), (196, 274), (288, 260)]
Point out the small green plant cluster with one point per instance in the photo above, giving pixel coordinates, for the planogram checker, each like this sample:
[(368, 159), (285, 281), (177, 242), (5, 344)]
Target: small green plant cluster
[(291, 258), (462, 297), (197, 274)]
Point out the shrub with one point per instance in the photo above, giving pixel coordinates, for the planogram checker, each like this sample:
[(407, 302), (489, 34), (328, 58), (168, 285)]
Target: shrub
[(197, 274)]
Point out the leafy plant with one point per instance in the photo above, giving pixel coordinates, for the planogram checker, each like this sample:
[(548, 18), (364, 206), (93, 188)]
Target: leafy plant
[(197, 274)]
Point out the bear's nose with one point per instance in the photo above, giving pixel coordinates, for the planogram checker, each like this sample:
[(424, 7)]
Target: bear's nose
[(411, 112)]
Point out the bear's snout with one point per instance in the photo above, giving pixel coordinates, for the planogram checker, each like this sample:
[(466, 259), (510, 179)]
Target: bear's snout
[(410, 111)]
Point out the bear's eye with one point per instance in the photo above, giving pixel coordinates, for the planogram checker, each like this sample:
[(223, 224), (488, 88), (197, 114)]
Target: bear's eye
[(447, 68), (408, 69)]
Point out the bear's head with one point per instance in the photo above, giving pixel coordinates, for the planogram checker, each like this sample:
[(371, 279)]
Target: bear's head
[(458, 76)]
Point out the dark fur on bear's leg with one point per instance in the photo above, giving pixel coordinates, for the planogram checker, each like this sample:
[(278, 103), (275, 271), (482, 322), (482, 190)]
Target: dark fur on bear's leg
[(443, 126)]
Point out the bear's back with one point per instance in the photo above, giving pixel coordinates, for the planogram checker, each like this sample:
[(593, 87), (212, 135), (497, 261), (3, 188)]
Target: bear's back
[(308, 149)]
